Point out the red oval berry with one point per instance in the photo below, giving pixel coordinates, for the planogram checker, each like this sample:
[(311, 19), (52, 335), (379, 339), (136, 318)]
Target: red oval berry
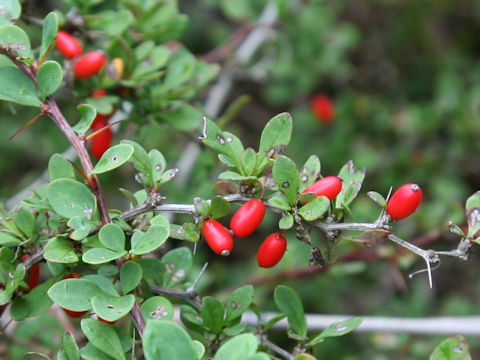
[(329, 186), (89, 64), (218, 237), (99, 93), (323, 108), (68, 45), (248, 218), (33, 275), (71, 313), (102, 141), (271, 251), (404, 201), (105, 321)]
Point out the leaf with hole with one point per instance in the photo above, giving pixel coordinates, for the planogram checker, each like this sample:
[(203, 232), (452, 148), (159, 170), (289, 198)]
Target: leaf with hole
[(309, 172), (113, 158), (338, 328), (454, 348), (177, 263), (187, 231), (157, 308), (239, 302), (60, 250), (352, 183), (97, 256), (286, 177), (71, 198), (112, 308), (315, 208)]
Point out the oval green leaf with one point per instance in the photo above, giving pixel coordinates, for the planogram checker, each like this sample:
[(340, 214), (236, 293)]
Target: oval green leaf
[(71, 198), (157, 308), (112, 308), (101, 256), (103, 337), (16, 39), (315, 208), (113, 158), (240, 347), (74, 294), (87, 115), (130, 276), (60, 250), (49, 78), (286, 177), (49, 32), (59, 167), (112, 236), (17, 87), (290, 304)]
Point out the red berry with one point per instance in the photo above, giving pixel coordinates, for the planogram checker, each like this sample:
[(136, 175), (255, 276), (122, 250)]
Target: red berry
[(271, 251), (68, 45), (329, 186), (33, 275), (323, 108), (404, 201), (71, 313), (218, 237), (89, 64), (99, 93), (105, 321), (248, 218), (102, 141)]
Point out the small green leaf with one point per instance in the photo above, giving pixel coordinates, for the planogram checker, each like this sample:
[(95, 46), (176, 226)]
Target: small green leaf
[(12, 284), (188, 231), (101, 256), (104, 284), (111, 22), (453, 348), (34, 303), (152, 268), (184, 117), (6, 260), (177, 262), (104, 104), (141, 161), (157, 308), (338, 328), (60, 250), (70, 347), (74, 294), (166, 340), (112, 308), (273, 321), (158, 165), (112, 236), (309, 172), (8, 240), (286, 222), (240, 347), (212, 313), (249, 161), (71, 198), (59, 167), (232, 175), (130, 276), (49, 78), (14, 37), (191, 319), (5, 297), (286, 177), (235, 329), (90, 352), (113, 158), (179, 70), (239, 302), (87, 115), (290, 304), (315, 208), (143, 243), (81, 226), (25, 221), (472, 211), (103, 337), (219, 207), (10, 12), (377, 198), (17, 87), (49, 32), (202, 207), (199, 348), (279, 201), (352, 183)]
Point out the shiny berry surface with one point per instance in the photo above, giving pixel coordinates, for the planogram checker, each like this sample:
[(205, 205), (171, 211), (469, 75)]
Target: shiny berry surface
[(404, 201), (272, 250), (218, 237), (323, 108), (329, 186), (102, 141), (33, 275), (89, 65), (71, 313), (105, 321), (248, 218), (68, 45)]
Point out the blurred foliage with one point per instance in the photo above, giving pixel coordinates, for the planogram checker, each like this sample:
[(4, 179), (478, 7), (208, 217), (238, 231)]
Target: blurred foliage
[(405, 80)]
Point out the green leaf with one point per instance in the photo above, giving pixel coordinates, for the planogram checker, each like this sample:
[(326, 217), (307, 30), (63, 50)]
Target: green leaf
[(6, 260), (338, 328), (141, 161), (149, 59), (377, 198), (59, 167), (152, 268), (60, 250), (472, 211), (49, 78), (112, 236), (286, 177), (18, 276), (177, 262), (130, 276), (143, 243), (184, 118), (70, 347), (8, 240), (239, 302), (113, 158), (113, 23), (219, 207), (232, 175), (279, 201), (454, 348), (179, 70), (309, 172), (87, 115), (17, 87), (104, 284), (49, 32), (187, 231), (10, 12), (97, 256), (273, 321), (81, 227), (158, 165), (275, 138), (103, 337), (166, 340), (5, 297), (352, 183), (315, 208), (191, 319), (235, 329), (157, 308), (90, 352), (199, 348), (112, 308), (290, 304), (25, 221), (74, 294), (103, 105), (286, 222), (240, 347), (212, 313), (304, 356), (34, 303), (202, 207), (249, 161), (71, 198), (14, 37)]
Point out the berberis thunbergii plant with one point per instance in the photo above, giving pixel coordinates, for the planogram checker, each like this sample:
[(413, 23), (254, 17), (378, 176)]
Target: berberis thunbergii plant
[(113, 265)]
